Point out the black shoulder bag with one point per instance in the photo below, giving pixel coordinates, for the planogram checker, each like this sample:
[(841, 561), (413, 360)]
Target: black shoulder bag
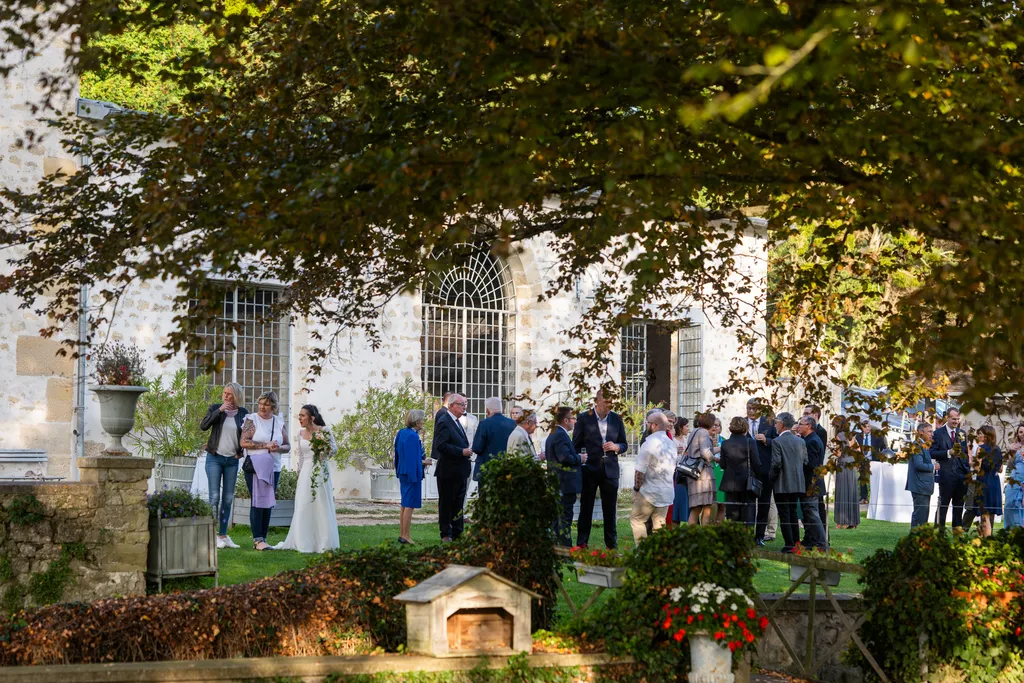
[(247, 465), (753, 483)]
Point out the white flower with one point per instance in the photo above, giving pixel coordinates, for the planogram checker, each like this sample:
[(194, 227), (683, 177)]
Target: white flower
[(733, 607), (696, 608)]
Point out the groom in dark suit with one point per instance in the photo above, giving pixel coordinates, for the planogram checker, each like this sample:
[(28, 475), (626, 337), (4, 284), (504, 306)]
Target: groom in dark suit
[(453, 466), (602, 433), (952, 467), (761, 429)]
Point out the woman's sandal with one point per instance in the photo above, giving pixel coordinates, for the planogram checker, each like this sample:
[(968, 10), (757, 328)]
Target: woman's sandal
[(256, 546)]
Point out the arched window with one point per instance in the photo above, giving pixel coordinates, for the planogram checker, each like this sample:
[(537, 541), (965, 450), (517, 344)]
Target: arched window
[(468, 341)]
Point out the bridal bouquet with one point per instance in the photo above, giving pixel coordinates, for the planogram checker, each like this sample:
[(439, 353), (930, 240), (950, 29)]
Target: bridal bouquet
[(320, 442)]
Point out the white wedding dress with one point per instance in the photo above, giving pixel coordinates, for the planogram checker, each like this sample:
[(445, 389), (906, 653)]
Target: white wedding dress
[(314, 526)]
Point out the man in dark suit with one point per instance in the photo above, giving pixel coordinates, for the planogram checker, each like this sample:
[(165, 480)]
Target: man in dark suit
[(443, 410), (921, 475), (949, 451), (813, 524), (603, 435), (871, 445), (762, 430), (453, 468), (815, 412), (492, 434), (560, 453)]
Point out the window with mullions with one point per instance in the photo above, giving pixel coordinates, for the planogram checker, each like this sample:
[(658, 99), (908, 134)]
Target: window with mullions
[(691, 370), (255, 351), (468, 338)]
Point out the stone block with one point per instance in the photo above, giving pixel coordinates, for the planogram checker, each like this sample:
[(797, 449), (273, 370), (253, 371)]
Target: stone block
[(37, 357), (54, 438), (55, 165), (59, 403)]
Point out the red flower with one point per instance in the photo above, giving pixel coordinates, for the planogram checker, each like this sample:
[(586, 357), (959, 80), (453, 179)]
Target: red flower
[(700, 617), (675, 611), (733, 646), (604, 556), (593, 553), (1017, 632), (679, 635), (667, 625), (689, 619), (719, 635), (751, 614), (749, 636), (764, 623)]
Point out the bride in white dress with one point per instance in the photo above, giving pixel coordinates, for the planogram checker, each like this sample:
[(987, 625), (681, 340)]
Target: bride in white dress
[(314, 526)]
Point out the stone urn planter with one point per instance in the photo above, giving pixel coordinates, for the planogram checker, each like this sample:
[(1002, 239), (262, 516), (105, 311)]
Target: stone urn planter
[(117, 413), (384, 486), (606, 577), (181, 547), (710, 660)]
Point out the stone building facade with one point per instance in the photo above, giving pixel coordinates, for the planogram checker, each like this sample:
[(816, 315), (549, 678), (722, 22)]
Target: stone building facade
[(481, 330)]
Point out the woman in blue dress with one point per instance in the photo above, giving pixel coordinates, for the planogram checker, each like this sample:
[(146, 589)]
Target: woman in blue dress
[(1014, 503), (990, 461), (410, 461)]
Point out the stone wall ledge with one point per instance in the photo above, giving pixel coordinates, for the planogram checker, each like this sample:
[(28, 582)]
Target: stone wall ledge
[(849, 602), (25, 488), (119, 462), (273, 668)]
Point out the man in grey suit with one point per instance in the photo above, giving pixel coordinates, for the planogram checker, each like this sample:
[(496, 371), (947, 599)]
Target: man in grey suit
[(789, 457), (921, 475)]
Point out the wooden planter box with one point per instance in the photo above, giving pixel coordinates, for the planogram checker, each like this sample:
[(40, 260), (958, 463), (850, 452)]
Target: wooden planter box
[(827, 577), (280, 516), (606, 577), (182, 547)]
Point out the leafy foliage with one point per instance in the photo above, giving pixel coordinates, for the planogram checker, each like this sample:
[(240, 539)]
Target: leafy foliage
[(24, 510), (598, 558), (368, 430), (671, 558), (286, 485), (951, 591), (177, 504), (120, 364), (167, 418), (419, 127)]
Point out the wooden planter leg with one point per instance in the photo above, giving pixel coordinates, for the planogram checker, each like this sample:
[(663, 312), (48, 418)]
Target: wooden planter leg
[(810, 620), (565, 594), (771, 620), (856, 638)]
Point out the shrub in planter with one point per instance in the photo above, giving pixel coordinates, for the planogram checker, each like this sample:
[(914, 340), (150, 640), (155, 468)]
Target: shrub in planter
[(367, 433), (671, 558), (946, 601), (176, 503), (181, 536)]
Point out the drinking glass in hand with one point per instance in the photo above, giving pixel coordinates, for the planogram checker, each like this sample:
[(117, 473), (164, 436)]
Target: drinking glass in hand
[(583, 455)]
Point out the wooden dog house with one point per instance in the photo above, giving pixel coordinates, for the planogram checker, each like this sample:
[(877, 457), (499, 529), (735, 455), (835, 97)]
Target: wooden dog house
[(464, 611)]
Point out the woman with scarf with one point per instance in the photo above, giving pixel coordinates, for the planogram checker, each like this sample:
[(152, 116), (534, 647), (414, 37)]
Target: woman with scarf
[(223, 449)]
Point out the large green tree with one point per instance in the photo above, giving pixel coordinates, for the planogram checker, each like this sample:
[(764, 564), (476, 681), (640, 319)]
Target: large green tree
[(350, 148)]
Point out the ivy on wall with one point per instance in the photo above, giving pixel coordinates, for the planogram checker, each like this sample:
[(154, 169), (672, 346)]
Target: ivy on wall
[(45, 587)]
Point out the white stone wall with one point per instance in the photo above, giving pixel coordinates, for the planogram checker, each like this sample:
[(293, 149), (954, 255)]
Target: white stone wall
[(36, 400), (36, 391)]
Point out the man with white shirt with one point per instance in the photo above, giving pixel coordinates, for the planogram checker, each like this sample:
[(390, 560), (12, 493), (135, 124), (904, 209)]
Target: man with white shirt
[(762, 430), (653, 489), (453, 467), (601, 434), (949, 451)]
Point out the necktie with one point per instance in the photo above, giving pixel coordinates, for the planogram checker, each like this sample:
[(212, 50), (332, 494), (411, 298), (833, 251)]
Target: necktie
[(753, 429)]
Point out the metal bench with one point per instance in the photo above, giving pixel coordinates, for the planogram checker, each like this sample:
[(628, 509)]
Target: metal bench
[(17, 464)]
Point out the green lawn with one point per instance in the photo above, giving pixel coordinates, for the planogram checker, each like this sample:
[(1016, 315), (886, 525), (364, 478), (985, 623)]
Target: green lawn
[(246, 564)]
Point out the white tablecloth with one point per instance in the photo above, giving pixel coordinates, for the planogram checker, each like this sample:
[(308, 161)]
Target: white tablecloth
[(890, 501)]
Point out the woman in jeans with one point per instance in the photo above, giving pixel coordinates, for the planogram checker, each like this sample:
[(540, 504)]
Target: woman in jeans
[(264, 437), (224, 422)]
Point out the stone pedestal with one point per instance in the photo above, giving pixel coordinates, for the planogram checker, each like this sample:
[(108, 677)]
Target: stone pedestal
[(124, 517)]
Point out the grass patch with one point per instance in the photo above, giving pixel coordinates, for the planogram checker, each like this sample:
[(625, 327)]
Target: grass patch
[(246, 564)]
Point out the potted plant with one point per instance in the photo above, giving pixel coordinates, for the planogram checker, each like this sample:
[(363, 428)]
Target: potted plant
[(599, 567), (717, 623), (182, 537), (281, 515), (367, 434), (120, 380), (167, 427), (828, 563)]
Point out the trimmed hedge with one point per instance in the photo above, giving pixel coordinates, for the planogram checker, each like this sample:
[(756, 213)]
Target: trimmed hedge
[(345, 597)]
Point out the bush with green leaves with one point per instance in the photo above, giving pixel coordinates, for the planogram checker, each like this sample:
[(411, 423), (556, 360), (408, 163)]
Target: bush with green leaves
[(959, 593), (167, 417), (681, 556), (367, 433), (286, 485), (177, 504)]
